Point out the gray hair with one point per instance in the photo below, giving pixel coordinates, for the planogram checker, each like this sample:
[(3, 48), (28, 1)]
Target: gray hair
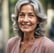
[(39, 12)]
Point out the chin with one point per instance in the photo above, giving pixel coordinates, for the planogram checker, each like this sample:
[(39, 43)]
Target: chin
[(26, 30)]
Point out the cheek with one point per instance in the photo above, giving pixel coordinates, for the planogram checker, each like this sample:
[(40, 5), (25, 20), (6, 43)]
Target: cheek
[(35, 22), (19, 20)]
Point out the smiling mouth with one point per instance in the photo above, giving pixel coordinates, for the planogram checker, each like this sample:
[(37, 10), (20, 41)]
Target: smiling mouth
[(26, 25)]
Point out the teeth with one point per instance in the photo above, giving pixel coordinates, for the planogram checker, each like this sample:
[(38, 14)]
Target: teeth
[(26, 25)]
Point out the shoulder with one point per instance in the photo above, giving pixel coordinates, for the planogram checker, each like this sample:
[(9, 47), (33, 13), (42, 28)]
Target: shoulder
[(11, 42), (47, 41), (48, 45)]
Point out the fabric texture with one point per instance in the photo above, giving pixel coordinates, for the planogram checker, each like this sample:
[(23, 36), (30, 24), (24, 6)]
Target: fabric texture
[(41, 45)]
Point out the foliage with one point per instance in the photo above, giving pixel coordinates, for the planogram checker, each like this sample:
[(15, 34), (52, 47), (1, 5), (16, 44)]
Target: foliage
[(47, 2), (13, 1), (11, 10)]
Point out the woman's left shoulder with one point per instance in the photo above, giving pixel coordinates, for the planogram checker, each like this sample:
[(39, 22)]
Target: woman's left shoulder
[(48, 45), (48, 41)]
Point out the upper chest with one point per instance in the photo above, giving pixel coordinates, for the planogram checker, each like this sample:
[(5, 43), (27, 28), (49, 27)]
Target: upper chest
[(36, 47)]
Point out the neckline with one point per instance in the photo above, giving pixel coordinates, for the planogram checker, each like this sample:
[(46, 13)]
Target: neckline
[(35, 44)]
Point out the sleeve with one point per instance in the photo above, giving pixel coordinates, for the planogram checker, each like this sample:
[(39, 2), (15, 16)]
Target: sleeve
[(48, 46), (8, 48), (51, 49), (10, 44)]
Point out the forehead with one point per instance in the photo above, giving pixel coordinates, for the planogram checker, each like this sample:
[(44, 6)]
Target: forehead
[(27, 7)]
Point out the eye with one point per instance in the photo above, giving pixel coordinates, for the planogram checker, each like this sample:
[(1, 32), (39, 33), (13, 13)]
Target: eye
[(31, 15), (21, 14)]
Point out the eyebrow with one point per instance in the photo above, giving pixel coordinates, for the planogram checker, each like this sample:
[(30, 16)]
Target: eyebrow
[(29, 12)]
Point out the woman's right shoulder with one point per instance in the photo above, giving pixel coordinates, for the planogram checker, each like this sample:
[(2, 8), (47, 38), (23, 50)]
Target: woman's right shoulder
[(13, 40)]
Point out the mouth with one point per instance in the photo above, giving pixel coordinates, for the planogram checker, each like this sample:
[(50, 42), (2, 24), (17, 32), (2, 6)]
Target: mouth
[(26, 25)]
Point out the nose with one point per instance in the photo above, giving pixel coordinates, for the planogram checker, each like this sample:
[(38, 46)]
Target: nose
[(25, 19)]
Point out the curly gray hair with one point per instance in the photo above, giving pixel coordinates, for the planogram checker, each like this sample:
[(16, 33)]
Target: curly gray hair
[(39, 31)]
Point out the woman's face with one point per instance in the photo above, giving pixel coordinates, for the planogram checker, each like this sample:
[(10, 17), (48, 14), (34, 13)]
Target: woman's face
[(27, 19)]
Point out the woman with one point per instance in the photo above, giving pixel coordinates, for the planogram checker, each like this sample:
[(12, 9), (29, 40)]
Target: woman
[(29, 24)]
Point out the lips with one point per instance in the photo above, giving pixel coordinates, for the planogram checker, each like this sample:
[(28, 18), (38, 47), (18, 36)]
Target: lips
[(26, 25)]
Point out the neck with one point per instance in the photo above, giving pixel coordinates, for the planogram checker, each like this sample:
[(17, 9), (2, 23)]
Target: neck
[(28, 37)]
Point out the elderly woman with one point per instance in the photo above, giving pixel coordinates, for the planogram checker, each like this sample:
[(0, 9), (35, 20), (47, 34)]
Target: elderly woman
[(29, 26)]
